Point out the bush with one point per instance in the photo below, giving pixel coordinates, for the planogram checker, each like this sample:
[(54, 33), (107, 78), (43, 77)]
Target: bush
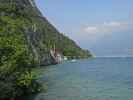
[(16, 78)]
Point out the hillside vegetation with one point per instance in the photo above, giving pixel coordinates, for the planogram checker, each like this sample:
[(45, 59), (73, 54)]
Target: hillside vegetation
[(26, 38)]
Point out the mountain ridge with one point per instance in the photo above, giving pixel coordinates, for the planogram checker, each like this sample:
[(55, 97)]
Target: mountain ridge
[(28, 40), (41, 35)]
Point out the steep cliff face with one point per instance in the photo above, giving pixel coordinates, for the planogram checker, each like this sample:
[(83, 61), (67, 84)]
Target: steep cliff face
[(40, 35)]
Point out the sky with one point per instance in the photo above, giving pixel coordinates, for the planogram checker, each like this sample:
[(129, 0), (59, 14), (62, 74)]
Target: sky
[(102, 26)]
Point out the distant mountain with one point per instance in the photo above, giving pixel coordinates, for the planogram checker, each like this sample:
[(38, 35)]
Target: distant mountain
[(21, 18)]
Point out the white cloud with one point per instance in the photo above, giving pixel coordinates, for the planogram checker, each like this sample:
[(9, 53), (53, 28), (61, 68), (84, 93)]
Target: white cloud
[(91, 29), (106, 27), (113, 24), (91, 34)]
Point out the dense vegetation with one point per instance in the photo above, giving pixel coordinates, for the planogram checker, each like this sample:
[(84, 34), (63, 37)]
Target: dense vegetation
[(25, 38), (16, 59)]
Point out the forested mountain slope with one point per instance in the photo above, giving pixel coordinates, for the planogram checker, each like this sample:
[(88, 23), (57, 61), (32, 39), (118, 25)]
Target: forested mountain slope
[(40, 35), (26, 38)]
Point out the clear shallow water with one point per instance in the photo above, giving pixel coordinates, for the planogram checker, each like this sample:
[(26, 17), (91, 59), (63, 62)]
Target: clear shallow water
[(91, 79)]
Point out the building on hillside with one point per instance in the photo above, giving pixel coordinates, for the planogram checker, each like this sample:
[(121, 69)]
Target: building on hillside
[(56, 55), (65, 58)]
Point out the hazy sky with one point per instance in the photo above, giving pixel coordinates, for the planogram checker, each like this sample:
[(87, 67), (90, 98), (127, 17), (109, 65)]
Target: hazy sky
[(103, 26)]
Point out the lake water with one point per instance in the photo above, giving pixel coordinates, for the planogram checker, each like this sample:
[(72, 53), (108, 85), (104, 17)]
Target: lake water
[(90, 79)]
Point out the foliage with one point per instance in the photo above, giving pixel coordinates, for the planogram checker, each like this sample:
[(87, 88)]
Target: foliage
[(51, 37), (18, 20), (16, 59)]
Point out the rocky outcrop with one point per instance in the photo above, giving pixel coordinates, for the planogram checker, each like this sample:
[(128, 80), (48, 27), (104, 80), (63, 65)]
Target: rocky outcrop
[(39, 33)]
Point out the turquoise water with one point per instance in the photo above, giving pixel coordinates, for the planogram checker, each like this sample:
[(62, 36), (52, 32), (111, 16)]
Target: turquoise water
[(90, 79)]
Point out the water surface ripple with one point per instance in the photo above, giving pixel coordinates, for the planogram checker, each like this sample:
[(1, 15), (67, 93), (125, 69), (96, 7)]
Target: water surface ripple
[(90, 79)]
